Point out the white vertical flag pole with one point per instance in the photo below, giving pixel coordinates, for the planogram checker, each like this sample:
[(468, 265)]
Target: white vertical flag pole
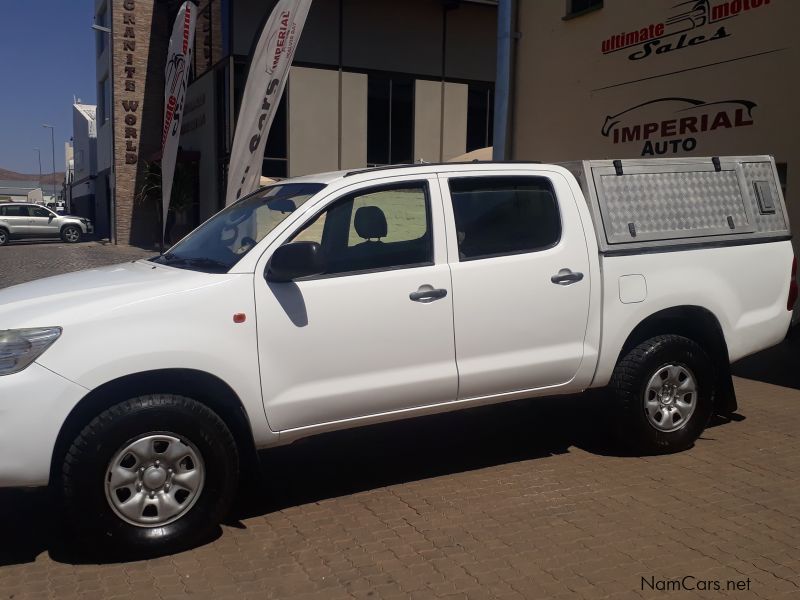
[(266, 81), (179, 63)]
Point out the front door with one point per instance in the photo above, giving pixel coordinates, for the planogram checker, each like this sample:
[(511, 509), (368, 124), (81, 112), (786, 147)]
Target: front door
[(520, 271), (42, 222), (374, 334)]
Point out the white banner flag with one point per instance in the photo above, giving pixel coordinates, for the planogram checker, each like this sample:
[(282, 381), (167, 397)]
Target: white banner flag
[(179, 62), (266, 80)]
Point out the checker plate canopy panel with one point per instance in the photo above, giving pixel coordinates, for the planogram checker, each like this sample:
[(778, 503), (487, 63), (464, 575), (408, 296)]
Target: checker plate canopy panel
[(669, 205)]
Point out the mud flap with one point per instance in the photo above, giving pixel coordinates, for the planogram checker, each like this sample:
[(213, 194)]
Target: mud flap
[(725, 403)]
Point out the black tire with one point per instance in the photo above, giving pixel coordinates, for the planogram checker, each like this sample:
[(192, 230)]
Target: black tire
[(71, 234), (4, 236), (85, 467), (629, 384)]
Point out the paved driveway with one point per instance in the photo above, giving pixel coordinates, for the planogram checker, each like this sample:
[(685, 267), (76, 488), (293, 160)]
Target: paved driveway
[(524, 500)]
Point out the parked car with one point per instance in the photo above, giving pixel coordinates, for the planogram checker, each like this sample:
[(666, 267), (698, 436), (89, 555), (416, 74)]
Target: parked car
[(139, 391), (20, 221)]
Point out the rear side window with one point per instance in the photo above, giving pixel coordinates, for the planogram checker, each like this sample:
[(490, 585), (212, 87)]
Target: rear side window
[(497, 216), (15, 211)]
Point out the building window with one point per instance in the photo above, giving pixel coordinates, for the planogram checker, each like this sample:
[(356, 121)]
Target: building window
[(103, 100), (390, 120), (576, 8), (208, 37), (101, 19), (480, 117), (276, 153)]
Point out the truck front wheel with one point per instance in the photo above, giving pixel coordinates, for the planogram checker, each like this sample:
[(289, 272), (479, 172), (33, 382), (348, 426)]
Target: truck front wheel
[(664, 387), (152, 474)]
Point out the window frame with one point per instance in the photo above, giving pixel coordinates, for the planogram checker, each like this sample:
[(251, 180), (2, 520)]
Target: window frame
[(503, 175), (571, 13), (365, 190)]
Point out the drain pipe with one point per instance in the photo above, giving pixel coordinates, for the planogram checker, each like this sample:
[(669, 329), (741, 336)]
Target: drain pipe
[(502, 90)]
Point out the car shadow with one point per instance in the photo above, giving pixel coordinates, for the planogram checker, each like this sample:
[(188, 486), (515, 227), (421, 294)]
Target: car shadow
[(779, 365), (347, 462)]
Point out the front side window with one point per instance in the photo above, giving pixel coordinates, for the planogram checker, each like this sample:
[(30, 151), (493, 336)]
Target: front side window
[(375, 229), (496, 216), (37, 211), (225, 238)]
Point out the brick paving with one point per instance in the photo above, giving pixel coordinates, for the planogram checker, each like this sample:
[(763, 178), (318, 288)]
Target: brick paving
[(23, 261), (524, 500)]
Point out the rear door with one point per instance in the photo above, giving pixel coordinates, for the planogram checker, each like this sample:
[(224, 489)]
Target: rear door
[(18, 218), (520, 271)]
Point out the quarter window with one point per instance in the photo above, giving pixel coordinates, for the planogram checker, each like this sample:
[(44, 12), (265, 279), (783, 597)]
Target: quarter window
[(375, 229), (496, 216)]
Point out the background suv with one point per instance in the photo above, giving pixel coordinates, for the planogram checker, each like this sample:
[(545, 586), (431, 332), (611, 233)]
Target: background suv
[(19, 220)]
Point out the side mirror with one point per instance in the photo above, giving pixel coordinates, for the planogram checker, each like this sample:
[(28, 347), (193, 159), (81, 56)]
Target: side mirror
[(295, 260)]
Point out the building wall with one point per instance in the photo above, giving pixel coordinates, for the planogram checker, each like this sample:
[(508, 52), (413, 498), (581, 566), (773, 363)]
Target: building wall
[(198, 134), (385, 35), (139, 46), (716, 80), (102, 69), (84, 146)]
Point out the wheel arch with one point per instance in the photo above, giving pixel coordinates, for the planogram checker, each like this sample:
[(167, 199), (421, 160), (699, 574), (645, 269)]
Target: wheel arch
[(694, 322), (700, 325), (201, 386)]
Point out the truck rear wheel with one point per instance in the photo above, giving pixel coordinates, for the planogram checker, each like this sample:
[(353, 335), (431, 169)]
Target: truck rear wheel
[(665, 389), (151, 475)]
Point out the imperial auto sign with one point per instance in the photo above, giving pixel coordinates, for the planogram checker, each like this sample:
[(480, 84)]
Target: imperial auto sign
[(682, 121)]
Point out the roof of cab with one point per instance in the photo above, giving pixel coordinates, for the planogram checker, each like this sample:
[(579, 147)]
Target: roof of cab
[(402, 169)]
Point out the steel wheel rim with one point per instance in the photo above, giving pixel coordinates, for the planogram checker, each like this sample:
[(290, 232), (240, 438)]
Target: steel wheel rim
[(2, 237), (154, 479), (670, 397), (71, 234)]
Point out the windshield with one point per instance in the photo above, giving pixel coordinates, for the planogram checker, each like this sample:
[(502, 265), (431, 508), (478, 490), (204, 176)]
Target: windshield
[(225, 238)]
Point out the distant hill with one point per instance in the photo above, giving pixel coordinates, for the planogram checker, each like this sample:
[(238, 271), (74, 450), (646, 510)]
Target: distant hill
[(47, 178)]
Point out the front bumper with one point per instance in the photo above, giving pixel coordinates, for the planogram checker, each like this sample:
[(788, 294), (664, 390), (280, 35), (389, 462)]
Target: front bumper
[(34, 404)]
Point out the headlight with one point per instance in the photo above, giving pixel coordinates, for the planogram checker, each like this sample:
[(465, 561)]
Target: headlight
[(20, 347)]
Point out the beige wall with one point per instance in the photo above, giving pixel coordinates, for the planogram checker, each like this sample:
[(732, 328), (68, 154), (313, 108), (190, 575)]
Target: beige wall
[(439, 134), (427, 121), (572, 100), (354, 120), (314, 117), (313, 121)]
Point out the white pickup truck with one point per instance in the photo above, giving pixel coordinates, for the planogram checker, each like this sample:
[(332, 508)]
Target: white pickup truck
[(337, 300)]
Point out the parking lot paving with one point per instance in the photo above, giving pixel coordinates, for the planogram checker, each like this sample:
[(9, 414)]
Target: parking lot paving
[(25, 261), (523, 500)]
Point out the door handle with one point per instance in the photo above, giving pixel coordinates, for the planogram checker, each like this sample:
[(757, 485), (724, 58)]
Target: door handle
[(566, 277), (429, 295)]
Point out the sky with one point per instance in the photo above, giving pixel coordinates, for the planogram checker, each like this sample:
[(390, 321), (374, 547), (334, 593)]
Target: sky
[(46, 56)]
